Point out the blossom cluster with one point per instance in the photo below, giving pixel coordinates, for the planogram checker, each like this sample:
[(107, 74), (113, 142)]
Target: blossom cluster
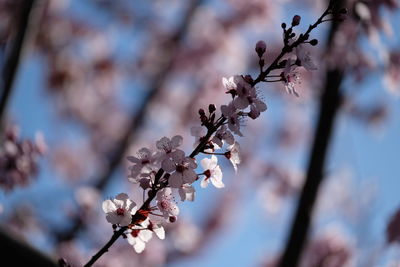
[(166, 171)]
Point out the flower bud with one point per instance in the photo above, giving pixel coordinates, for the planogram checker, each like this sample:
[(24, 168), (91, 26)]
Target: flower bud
[(172, 219), (296, 20), (314, 42), (211, 108), (261, 46), (201, 112), (283, 25)]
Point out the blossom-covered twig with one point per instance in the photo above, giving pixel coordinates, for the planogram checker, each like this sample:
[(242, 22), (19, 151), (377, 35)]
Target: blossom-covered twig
[(168, 170)]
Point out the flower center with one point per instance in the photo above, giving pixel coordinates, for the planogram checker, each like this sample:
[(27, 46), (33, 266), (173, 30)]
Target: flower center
[(135, 232), (165, 205), (120, 212), (180, 168)]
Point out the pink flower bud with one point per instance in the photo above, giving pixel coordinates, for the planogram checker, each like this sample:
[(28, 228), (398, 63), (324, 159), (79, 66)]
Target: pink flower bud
[(261, 46), (296, 20)]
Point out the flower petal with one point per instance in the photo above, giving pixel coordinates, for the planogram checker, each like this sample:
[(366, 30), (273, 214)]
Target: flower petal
[(175, 180), (108, 206)]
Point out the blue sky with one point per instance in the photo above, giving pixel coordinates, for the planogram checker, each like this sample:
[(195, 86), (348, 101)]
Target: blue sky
[(372, 155)]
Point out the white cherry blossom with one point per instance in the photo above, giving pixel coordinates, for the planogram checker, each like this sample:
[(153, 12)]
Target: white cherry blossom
[(182, 168), (229, 83), (187, 192), (198, 132), (158, 229), (138, 236), (233, 154), (290, 77), (119, 210), (212, 172), (304, 57), (223, 135), (256, 104), (230, 112), (168, 146), (242, 87), (166, 203), (144, 161)]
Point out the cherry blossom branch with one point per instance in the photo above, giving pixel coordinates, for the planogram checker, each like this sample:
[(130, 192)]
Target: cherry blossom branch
[(301, 39), (138, 217), (329, 105), (105, 248), (177, 171)]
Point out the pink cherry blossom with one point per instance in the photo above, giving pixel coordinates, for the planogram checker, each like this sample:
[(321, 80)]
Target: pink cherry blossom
[(304, 57), (212, 172), (119, 210), (231, 113), (198, 132), (168, 146), (144, 161), (223, 135), (290, 77), (182, 168), (166, 203)]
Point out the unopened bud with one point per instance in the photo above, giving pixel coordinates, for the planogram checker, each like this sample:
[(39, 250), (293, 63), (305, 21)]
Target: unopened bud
[(172, 219), (314, 42), (296, 20), (283, 25), (201, 112), (261, 46), (211, 108)]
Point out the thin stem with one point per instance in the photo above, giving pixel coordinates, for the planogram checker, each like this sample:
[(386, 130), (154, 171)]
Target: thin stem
[(213, 153), (288, 48), (274, 81), (105, 248)]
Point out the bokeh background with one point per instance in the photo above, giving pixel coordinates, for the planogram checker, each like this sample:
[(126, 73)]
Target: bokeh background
[(99, 79)]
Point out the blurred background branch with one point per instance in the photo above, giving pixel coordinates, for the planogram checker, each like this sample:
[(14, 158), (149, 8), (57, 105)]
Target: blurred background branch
[(331, 99), (19, 253), (157, 80), (14, 49)]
